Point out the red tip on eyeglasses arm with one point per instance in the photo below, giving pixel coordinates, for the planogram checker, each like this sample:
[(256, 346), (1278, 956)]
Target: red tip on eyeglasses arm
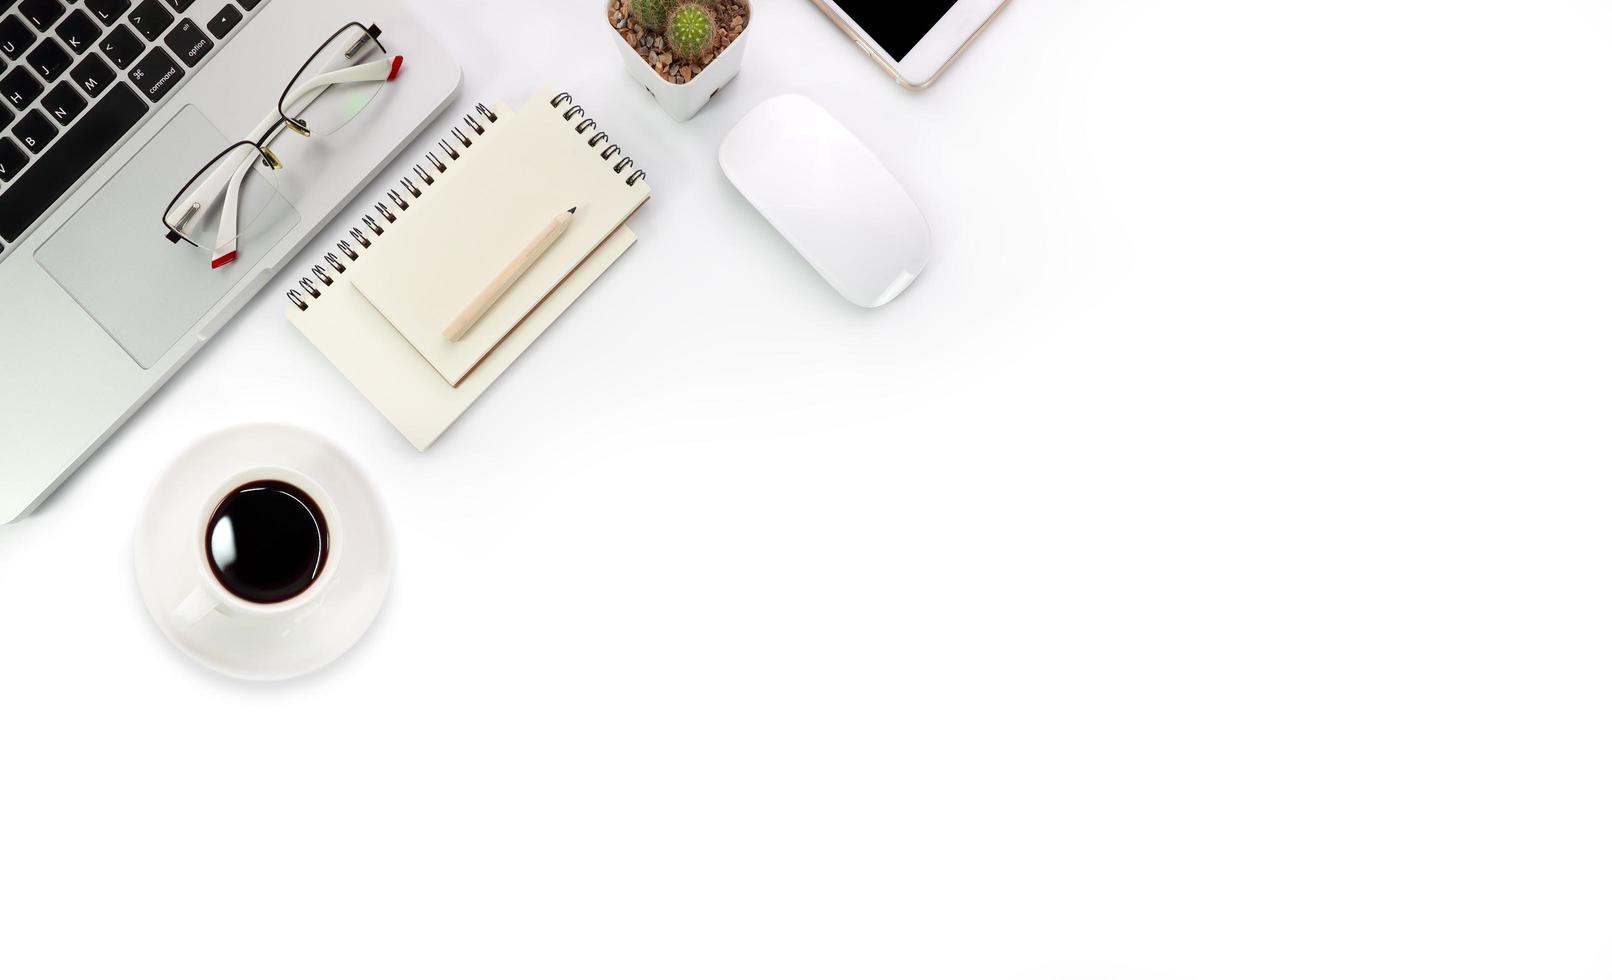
[(397, 66), (224, 260)]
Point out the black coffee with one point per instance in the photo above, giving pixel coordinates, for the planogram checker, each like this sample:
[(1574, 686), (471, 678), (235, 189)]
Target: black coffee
[(267, 542)]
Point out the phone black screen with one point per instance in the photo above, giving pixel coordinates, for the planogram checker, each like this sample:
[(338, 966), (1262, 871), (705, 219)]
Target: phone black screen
[(897, 27)]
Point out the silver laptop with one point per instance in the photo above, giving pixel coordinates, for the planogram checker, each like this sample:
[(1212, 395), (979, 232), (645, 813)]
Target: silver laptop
[(107, 110)]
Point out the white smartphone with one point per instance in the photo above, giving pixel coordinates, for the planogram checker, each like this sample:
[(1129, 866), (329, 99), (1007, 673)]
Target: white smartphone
[(914, 40)]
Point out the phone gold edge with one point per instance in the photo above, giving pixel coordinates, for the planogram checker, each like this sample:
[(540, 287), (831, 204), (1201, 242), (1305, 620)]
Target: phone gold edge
[(890, 68)]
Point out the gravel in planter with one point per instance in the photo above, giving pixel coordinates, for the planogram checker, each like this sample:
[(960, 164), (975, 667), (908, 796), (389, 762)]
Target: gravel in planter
[(729, 17)]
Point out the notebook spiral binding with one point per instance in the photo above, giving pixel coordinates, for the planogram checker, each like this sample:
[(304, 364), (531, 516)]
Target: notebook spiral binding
[(362, 237)]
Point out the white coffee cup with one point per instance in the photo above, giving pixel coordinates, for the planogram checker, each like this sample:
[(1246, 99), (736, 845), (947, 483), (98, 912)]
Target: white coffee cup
[(232, 634), (211, 596)]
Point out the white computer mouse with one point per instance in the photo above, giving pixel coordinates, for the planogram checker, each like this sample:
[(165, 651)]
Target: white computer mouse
[(829, 196)]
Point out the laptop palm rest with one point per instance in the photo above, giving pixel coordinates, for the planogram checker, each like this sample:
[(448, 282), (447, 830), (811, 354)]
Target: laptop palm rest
[(144, 292)]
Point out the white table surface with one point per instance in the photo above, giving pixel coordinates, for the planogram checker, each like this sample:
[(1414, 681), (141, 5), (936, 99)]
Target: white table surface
[(1202, 572)]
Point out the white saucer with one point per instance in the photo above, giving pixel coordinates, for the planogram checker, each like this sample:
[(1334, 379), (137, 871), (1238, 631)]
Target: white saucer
[(262, 642)]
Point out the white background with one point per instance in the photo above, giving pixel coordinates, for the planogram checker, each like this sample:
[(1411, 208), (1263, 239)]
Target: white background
[(1201, 572)]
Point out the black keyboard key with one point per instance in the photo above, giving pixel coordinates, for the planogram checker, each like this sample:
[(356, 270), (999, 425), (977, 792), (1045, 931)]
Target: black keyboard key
[(93, 74), (19, 88), (181, 5), (250, 4), (122, 46), (107, 11), (151, 18), (62, 104), (80, 148), (34, 131), (49, 59), (78, 31), (15, 37), (156, 74), (225, 21), (12, 160), (42, 13), (189, 42), (6, 115)]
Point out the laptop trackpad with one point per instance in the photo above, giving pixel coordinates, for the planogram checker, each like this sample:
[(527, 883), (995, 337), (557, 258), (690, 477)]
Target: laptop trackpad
[(112, 258)]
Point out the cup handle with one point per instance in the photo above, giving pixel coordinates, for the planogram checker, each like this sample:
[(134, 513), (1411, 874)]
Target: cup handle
[(195, 608)]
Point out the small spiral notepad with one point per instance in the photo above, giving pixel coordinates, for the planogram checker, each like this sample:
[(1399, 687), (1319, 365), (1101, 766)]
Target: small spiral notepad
[(377, 305)]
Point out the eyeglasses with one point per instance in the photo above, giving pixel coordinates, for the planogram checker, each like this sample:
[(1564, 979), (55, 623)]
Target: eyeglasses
[(226, 196)]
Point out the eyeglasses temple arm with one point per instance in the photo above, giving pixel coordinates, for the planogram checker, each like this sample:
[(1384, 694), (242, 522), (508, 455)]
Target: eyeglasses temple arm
[(229, 218), (374, 71)]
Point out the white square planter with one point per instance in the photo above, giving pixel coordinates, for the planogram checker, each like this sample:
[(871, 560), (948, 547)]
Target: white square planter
[(682, 102)]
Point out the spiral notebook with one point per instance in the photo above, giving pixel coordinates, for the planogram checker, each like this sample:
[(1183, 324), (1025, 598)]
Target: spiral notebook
[(376, 310)]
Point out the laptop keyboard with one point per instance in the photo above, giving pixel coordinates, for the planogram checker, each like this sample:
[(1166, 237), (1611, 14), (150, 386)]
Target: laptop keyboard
[(76, 76)]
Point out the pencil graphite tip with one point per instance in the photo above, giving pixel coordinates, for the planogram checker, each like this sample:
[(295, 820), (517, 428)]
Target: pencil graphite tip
[(572, 211)]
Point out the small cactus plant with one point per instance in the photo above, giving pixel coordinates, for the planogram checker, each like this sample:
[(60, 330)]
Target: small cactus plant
[(653, 14), (690, 32), (693, 54)]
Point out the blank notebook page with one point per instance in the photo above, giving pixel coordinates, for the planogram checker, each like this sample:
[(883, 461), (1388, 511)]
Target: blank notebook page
[(490, 204)]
